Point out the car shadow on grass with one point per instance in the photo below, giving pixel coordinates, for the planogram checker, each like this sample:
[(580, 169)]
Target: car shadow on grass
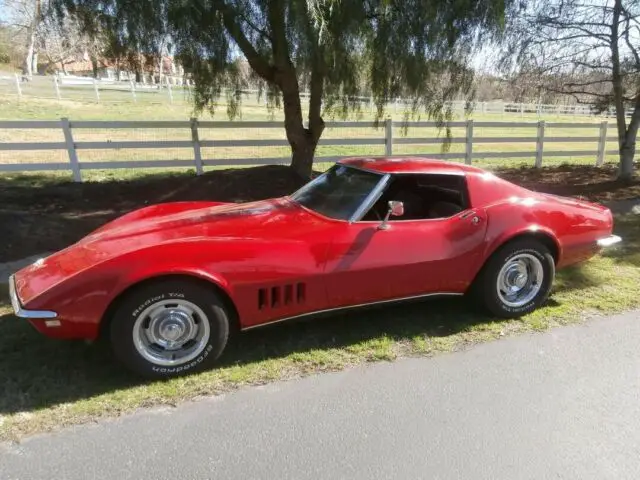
[(37, 372), (628, 251)]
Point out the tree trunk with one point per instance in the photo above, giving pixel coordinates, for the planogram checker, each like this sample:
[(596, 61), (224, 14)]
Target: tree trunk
[(94, 66), (625, 170), (31, 45), (303, 152), (303, 141), (28, 62), (627, 145), (626, 136)]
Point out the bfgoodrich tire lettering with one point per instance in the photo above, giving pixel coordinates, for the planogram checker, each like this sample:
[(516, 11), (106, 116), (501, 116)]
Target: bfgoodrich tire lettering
[(525, 251), (169, 327)]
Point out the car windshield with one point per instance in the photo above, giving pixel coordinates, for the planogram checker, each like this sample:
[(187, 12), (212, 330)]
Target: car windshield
[(338, 192)]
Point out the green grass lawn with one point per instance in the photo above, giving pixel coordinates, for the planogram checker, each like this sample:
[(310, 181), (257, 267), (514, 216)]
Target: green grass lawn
[(46, 384)]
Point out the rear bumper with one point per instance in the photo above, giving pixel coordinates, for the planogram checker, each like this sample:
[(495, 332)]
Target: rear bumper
[(21, 312), (609, 241)]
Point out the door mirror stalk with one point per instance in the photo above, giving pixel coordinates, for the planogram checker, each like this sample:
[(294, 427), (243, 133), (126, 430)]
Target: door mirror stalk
[(396, 209)]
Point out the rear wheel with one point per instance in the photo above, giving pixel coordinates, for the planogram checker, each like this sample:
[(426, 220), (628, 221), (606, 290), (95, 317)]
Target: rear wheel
[(517, 279), (168, 328)]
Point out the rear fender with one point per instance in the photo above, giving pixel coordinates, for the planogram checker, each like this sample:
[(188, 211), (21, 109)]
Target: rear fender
[(508, 222)]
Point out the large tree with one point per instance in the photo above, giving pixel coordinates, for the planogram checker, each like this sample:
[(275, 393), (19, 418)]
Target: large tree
[(25, 16), (589, 49), (328, 48)]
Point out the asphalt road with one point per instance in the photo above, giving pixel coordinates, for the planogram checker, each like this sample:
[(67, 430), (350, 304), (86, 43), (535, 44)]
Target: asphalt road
[(563, 404)]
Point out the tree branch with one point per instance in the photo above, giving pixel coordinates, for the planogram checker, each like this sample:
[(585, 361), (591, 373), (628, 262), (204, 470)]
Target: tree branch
[(258, 63), (593, 66), (279, 42), (633, 50), (615, 75), (256, 29), (587, 84), (316, 89), (316, 84), (568, 91)]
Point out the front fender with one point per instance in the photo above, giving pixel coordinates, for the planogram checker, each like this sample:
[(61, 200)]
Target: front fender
[(82, 299)]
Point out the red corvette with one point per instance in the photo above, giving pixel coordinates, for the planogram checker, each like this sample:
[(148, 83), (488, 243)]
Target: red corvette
[(168, 284)]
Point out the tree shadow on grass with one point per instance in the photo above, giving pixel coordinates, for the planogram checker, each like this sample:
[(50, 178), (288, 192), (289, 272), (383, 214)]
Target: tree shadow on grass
[(40, 215)]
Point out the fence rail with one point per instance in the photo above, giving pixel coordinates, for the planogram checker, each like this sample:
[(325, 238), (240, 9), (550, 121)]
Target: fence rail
[(76, 165)]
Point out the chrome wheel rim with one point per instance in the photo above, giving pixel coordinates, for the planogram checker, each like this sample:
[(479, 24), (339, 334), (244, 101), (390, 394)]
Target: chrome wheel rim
[(520, 280), (171, 332)]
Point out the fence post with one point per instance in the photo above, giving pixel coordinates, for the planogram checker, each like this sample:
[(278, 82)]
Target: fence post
[(18, 85), (469, 144), (71, 150), (195, 138), (56, 86), (388, 136), (169, 90), (95, 88), (540, 144), (133, 91), (602, 143)]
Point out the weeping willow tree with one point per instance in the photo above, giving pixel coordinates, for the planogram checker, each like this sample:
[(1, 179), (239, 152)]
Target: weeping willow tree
[(331, 50)]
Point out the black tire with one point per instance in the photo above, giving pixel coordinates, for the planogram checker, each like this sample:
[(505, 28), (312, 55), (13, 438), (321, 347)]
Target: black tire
[(161, 294), (485, 290)]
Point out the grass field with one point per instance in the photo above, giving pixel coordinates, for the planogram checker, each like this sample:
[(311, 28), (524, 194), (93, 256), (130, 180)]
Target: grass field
[(46, 384), (147, 109)]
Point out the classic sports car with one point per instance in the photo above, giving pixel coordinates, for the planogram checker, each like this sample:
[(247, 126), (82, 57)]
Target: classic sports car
[(168, 284)]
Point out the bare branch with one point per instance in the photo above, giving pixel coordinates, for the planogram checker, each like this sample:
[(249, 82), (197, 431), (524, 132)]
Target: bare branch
[(633, 50)]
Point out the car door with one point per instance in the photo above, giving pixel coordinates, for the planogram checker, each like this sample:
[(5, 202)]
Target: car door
[(366, 264)]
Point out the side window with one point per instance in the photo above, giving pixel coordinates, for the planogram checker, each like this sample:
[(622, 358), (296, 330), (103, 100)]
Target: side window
[(424, 196)]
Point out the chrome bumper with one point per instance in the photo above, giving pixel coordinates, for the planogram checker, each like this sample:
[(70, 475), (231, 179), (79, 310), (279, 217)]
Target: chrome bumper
[(17, 307), (609, 241)]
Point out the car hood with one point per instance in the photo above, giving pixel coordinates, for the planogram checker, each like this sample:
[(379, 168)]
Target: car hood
[(160, 224), (184, 220)]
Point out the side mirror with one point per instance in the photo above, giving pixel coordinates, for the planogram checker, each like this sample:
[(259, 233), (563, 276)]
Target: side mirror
[(396, 209)]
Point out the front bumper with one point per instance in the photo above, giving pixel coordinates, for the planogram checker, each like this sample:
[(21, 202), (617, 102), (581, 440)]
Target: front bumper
[(22, 312), (609, 241)]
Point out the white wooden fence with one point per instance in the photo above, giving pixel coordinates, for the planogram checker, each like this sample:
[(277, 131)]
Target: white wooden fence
[(386, 139)]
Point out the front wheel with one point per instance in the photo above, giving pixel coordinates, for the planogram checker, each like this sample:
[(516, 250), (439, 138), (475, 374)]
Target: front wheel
[(168, 328), (517, 279)]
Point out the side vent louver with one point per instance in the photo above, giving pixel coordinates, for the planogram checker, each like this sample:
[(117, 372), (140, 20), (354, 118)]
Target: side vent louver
[(301, 292), (284, 295), (275, 297), (288, 294)]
